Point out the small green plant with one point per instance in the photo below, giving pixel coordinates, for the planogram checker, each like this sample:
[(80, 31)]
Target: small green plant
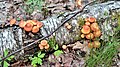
[(5, 62), (33, 4), (55, 47), (37, 59), (57, 52)]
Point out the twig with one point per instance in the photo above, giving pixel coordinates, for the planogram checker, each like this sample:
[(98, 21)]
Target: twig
[(48, 34)]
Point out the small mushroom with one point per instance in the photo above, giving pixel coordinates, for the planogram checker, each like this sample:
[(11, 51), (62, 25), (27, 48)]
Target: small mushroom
[(47, 46), (91, 44), (82, 35), (69, 27), (85, 29), (92, 19), (28, 27), (97, 33), (12, 21), (90, 36), (96, 44), (35, 29), (22, 24), (64, 47), (79, 3), (94, 27), (87, 23), (41, 47), (39, 24), (44, 42)]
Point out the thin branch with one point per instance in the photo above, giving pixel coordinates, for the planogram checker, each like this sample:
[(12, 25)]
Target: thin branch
[(48, 34)]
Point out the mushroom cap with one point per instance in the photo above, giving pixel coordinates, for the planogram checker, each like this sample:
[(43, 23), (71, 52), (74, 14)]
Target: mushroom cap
[(97, 33), (12, 21), (47, 46), (85, 29), (96, 44), (79, 3), (82, 35), (94, 27), (92, 19), (91, 44), (69, 27), (87, 23), (44, 42), (22, 24), (35, 29), (41, 47), (90, 36), (28, 27), (64, 47), (39, 24), (66, 24)]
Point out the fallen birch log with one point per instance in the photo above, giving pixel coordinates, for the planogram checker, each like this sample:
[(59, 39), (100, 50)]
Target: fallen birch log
[(101, 11)]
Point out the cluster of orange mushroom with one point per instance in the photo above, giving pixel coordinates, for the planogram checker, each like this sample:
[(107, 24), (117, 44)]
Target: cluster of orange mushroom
[(44, 44), (29, 25), (90, 31)]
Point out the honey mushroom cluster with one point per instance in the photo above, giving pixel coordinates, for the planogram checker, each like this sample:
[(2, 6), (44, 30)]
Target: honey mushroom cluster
[(90, 31), (44, 44), (31, 25)]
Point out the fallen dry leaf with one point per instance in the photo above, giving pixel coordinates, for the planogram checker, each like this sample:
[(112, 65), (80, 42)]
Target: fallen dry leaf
[(78, 45)]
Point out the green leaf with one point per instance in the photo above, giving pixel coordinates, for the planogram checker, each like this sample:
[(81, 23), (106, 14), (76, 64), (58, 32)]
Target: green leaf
[(34, 65), (34, 62), (58, 52), (35, 58), (6, 64), (9, 58), (55, 47), (5, 52), (39, 53), (42, 55), (12, 57), (39, 61)]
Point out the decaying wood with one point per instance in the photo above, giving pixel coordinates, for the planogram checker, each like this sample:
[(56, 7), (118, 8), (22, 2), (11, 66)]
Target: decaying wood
[(62, 35)]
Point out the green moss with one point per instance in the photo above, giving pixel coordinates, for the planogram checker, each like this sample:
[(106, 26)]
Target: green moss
[(77, 37), (80, 21), (116, 16)]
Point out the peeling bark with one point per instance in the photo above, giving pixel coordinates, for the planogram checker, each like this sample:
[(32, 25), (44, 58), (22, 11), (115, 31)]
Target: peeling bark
[(10, 38)]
